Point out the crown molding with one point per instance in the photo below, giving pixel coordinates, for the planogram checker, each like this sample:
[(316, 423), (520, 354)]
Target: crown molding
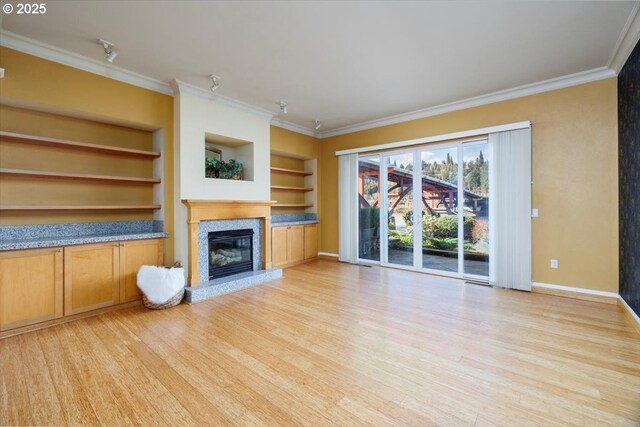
[(629, 37), (503, 95), (180, 87), (293, 127), (65, 57)]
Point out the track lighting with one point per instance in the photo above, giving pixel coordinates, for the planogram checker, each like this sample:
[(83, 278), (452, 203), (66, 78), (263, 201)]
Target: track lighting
[(215, 82), (109, 53), (283, 106), (317, 124)]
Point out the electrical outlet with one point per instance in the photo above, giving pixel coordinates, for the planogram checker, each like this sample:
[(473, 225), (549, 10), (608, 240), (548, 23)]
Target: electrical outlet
[(534, 213), (554, 263)]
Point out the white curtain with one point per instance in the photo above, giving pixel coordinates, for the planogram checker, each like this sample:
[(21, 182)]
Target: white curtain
[(348, 207), (510, 207)]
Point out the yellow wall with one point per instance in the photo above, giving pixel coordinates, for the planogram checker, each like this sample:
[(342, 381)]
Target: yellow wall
[(42, 85), (574, 174), (287, 143)]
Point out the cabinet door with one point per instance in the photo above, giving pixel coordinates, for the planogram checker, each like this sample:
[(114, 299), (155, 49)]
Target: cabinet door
[(30, 287), (310, 241), (133, 255), (90, 277), (279, 251), (295, 241)]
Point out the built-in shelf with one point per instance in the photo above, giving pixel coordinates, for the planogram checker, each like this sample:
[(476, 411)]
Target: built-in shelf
[(77, 207), (39, 140), (292, 205), (75, 176), (286, 188), (291, 171)]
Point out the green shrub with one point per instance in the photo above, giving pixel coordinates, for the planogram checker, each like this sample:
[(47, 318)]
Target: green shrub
[(446, 226)]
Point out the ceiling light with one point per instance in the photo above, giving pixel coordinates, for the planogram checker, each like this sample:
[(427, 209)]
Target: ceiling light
[(317, 124), (215, 82), (283, 106), (109, 53)]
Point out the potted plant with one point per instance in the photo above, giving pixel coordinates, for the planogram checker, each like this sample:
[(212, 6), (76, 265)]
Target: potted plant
[(215, 168)]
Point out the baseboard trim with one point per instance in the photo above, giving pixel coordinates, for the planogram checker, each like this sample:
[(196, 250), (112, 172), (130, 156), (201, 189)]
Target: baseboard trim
[(576, 293), (328, 256), (634, 317)]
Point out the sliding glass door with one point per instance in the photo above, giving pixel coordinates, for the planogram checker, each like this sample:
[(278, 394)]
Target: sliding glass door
[(398, 201), (369, 208), (439, 174), (475, 174), (427, 208)]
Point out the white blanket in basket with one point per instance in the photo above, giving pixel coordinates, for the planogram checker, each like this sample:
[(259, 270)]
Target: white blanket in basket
[(160, 284)]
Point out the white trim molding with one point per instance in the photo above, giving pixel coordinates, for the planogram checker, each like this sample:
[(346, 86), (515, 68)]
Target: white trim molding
[(65, 57), (626, 42), (579, 290), (631, 312), (329, 254), (503, 95), (577, 293), (179, 86), (293, 127), (629, 37), (438, 138)]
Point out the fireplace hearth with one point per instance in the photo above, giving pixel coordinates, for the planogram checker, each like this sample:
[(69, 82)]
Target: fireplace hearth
[(230, 252)]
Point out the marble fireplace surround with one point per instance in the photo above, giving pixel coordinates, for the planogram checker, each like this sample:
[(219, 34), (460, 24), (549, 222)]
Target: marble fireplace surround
[(211, 210)]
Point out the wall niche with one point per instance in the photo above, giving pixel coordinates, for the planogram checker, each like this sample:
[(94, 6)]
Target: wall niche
[(228, 158)]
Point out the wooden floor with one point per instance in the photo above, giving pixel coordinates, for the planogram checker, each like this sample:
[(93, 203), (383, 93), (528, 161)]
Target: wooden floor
[(334, 344)]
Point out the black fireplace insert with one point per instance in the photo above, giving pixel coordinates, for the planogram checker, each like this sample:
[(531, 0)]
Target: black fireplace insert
[(230, 252)]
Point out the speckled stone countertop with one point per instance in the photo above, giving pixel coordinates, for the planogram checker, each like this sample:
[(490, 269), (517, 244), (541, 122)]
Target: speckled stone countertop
[(285, 224), (52, 235), (284, 220)]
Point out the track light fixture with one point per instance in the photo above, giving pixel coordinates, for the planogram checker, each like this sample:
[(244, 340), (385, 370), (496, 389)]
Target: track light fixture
[(215, 82), (109, 53), (283, 106), (317, 124)]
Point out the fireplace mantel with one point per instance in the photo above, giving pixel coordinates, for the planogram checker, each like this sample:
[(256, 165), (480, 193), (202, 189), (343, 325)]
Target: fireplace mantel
[(208, 210)]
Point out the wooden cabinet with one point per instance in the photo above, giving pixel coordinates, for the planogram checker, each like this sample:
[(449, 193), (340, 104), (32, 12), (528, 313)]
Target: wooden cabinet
[(91, 277), (38, 285), (133, 255), (293, 245), (279, 247), (310, 241), (30, 287), (104, 274)]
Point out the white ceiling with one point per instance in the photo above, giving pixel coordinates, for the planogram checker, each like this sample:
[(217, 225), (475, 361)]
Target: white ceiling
[(339, 62)]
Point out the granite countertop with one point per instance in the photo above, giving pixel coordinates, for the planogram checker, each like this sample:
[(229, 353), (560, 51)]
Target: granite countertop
[(48, 242), (54, 235), (286, 220), (289, 223)]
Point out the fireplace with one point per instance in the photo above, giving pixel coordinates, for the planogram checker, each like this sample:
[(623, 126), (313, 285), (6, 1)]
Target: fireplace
[(230, 252)]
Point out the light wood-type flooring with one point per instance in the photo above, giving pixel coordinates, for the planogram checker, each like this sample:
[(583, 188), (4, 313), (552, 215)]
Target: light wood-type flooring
[(334, 344)]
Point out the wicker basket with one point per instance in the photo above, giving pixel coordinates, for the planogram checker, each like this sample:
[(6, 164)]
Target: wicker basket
[(177, 299), (172, 302)]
